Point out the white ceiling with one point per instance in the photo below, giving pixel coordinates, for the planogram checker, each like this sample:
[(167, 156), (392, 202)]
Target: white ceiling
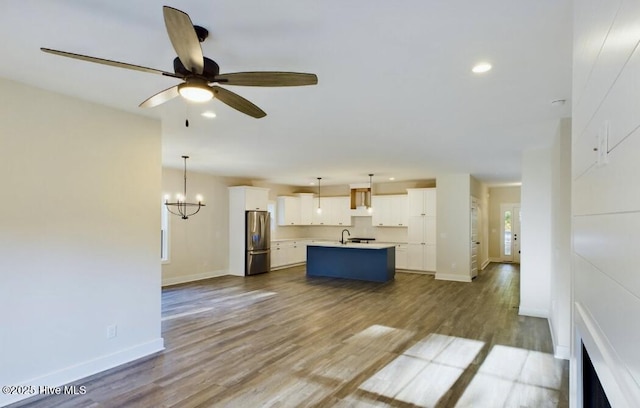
[(396, 96)]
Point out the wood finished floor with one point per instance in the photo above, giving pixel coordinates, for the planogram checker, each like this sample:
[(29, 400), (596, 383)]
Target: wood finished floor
[(285, 340)]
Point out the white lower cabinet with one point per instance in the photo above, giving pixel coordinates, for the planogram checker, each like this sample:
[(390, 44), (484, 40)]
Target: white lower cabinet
[(421, 257), (288, 253), (401, 256)]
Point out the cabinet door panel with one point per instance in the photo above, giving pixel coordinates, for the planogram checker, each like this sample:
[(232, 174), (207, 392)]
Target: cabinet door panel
[(256, 199), (415, 202), (399, 209), (415, 232), (430, 258), (429, 230), (415, 255)]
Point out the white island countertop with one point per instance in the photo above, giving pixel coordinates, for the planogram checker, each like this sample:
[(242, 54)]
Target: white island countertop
[(352, 245)]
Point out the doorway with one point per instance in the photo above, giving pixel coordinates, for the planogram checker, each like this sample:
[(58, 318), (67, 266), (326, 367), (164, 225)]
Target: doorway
[(475, 242), (510, 237)]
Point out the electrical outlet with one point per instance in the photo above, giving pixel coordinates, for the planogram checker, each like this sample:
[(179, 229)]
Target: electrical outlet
[(112, 331)]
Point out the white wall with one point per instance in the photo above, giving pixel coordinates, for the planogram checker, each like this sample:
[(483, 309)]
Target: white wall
[(606, 199), (453, 254), (535, 228), (560, 277), (79, 237)]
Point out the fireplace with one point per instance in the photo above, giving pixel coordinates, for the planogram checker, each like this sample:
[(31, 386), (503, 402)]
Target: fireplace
[(593, 395)]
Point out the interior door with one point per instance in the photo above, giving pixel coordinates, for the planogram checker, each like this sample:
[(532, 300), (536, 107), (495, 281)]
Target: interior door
[(475, 243)]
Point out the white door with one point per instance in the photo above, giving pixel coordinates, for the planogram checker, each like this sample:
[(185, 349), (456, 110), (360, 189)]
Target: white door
[(516, 234), (475, 243), (510, 237)]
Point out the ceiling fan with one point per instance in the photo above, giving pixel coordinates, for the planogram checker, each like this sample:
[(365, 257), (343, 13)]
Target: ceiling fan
[(200, 74)]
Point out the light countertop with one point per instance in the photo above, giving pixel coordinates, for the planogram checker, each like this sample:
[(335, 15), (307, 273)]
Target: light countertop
[(352, 245)]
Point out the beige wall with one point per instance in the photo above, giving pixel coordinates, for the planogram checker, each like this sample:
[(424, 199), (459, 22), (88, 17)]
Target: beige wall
[(498, 196), (198, 246), (453, 227), (79, 235)]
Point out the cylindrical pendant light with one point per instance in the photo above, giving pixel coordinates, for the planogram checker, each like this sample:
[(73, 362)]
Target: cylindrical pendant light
[(319, 210), (370, 208)]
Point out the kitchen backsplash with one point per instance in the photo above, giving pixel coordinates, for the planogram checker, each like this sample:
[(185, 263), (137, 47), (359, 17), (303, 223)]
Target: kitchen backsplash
[(361, 227)]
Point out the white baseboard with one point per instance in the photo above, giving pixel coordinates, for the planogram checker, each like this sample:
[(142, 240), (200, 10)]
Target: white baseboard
[(85, 369), (485, 264), (562, 352), (496, 260), (527, 311), (192, 278), (452, 277)]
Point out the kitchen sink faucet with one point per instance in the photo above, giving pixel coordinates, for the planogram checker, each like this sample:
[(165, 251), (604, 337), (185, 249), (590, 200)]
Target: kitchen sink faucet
[(342, 241)]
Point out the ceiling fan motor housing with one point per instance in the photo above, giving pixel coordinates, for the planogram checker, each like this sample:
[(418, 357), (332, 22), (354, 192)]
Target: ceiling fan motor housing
[(210, 71)]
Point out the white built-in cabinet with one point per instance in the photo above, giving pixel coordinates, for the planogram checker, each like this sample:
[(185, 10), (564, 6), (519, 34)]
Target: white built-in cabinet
[(288, 253), (242, 199), (302, 210), (389, 211), (401, 256), (421, 233)]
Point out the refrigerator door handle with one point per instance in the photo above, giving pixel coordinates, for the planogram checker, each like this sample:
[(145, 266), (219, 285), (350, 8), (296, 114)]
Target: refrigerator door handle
[(258, 252)]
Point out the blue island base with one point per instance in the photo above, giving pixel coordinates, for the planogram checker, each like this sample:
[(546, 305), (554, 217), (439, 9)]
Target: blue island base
[(349, 262)]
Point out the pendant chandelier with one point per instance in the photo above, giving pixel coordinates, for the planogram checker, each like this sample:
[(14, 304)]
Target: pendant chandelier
[(319, 210), (181, 207)]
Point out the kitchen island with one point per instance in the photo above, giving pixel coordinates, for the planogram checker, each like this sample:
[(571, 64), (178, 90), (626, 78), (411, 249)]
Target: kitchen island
[(369, 262)]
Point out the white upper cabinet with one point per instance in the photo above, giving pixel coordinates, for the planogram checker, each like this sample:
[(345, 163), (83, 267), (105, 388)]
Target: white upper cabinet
[(422, 201), (389, 211), (247, 198), (335, 211), (302, 210), (288, 211), (256, 198), (307, 208)]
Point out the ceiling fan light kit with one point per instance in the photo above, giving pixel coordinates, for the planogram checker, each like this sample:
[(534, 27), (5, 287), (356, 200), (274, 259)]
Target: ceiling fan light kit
[(200, 74), (195, 91)]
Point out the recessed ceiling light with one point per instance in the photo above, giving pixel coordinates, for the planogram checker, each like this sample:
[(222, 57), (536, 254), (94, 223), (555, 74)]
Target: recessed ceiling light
[(391, 178), (208, 114), (481, 68)]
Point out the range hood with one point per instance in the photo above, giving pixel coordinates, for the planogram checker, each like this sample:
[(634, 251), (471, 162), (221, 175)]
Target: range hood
[(360, 200)]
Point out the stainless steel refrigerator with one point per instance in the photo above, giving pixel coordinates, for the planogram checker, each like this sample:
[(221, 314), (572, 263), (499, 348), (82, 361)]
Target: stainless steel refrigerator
[(258, 242)]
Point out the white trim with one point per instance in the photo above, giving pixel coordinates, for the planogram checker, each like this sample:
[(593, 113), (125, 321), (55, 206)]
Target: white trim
[(85, 369), (496, 260), (192, 278), (561, 352), (485, 264), (452, 277), (526, 311), (621, 388)]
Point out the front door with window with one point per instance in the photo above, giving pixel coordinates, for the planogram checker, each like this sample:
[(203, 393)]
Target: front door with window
[(510, 237)]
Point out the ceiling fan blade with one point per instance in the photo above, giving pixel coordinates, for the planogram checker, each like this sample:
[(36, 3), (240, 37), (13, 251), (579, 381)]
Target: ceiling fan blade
[(238, 102), (184, 39), (266, 78), (161, 97), (110, 62)]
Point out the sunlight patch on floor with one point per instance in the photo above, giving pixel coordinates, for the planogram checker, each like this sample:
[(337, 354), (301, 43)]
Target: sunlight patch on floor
[(513, 377), (426, 371)]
